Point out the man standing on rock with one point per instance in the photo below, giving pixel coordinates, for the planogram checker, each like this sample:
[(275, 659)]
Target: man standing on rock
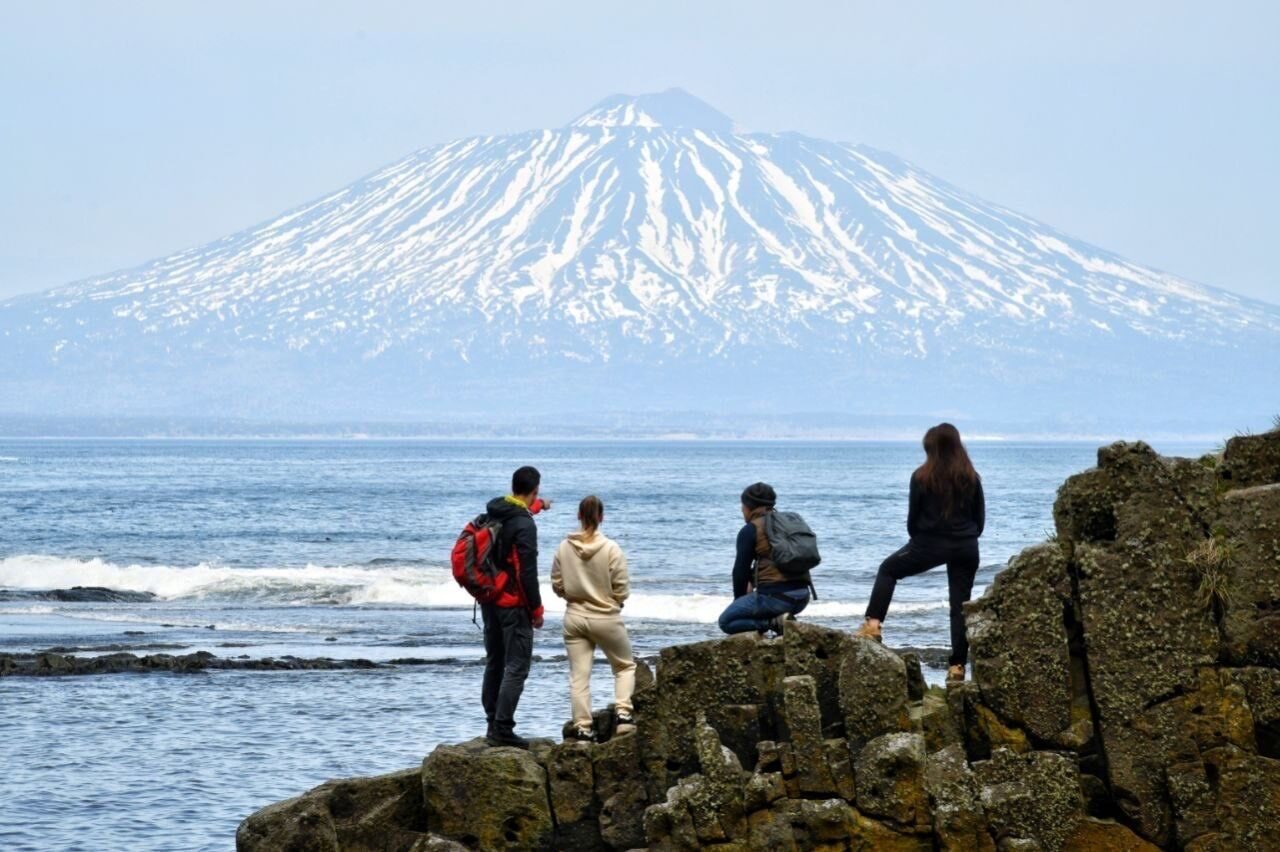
[(509, 621)]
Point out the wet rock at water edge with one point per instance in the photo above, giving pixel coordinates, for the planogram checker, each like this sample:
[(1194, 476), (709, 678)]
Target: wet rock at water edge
[(48, 663), (78, 594)]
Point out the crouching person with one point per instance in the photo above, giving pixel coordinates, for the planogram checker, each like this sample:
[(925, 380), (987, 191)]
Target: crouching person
[(589, 571), (775, 552)]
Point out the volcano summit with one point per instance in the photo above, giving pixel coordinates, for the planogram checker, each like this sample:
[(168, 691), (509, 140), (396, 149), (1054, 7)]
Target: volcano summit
[(647, 257)]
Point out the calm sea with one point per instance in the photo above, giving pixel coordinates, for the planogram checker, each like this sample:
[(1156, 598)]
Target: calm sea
[(339, 549)]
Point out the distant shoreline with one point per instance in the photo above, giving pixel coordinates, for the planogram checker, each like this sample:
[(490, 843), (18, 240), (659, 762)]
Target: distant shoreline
[(600, 427), (612, 439)]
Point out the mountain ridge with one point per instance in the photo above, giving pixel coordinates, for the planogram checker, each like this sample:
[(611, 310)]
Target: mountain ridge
[(647, 258)]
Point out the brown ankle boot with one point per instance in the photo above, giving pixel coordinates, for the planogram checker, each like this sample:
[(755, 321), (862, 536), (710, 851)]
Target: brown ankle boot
[(866, 631)]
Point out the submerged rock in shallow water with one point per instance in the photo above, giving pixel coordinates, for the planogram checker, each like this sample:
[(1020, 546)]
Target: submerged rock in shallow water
[(78, 594), (51, 662)]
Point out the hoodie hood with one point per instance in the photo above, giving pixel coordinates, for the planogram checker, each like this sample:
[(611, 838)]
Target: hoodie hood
[(586, 545)]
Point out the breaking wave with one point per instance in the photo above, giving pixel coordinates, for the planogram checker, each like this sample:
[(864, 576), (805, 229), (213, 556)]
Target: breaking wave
[(378, 583)]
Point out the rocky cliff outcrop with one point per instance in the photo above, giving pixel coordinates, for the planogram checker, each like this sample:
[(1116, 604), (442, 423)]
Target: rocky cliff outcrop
[(1125, 696)]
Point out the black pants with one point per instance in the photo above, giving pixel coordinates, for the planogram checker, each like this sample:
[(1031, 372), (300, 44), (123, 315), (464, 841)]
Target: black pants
[(508, 648), (961, 558)]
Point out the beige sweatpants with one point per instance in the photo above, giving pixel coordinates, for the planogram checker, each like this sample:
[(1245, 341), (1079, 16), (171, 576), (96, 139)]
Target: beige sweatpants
[(582, 634)]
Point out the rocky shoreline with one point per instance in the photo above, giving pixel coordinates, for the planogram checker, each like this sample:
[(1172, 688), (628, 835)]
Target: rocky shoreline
[(50, 663), (1125, 696), (65, 662)]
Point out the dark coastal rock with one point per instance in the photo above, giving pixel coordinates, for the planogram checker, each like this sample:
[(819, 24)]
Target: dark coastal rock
[(1261, 687), (620, 791), (359, 814), (932, 717), (889, 778), (1097, 835), (494, 798), (934, 658), (873, 692), (1018, 643), (804, 729), (704, 808), (1126, 696), (52, 663), (1247, 544), (571, 792), (701, 679), (1249, 460), (78, 594), (981, 729), (827, 824), (115, 647), (959, 820), (916, 685), (1146, 632), (1030, 797), (811, 651)]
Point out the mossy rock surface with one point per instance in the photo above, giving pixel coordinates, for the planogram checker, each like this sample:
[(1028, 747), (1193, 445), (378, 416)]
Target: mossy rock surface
[(494, 798)]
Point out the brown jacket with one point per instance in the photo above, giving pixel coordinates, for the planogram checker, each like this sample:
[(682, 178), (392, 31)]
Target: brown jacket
[(766, 571)]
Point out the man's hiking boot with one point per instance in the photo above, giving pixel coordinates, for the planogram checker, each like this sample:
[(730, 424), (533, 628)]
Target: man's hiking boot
[(955, 674), (506, 739), (625, 723), (866, 631), (581, 735)]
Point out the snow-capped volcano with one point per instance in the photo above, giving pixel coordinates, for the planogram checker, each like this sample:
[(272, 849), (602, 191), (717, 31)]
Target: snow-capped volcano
[(654, 253)]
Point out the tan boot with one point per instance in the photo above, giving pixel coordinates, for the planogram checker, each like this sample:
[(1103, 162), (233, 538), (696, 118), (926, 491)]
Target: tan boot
[(866, 631), (955, 674)]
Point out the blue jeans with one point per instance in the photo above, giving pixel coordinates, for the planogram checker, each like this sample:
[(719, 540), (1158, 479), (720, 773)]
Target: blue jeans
[(754, 610)]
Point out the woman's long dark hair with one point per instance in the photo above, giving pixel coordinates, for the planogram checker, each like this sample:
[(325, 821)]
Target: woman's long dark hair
[(947, 471)]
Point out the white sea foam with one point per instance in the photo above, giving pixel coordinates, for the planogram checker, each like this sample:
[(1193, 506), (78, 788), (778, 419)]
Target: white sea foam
[(28, 610), (168, 619), (706, 609), (310, 584), (349, 585)]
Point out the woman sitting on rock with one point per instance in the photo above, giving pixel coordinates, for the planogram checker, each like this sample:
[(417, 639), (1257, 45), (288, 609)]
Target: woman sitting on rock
[(590, 572), (945, 516)]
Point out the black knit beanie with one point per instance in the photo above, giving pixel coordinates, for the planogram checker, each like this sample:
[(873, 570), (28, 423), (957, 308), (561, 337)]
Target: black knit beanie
[(759, 495)]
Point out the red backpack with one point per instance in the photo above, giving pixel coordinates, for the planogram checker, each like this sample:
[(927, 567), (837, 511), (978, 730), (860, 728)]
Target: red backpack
[(475, 560)]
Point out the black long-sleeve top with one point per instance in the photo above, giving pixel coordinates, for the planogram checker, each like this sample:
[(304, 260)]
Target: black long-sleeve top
[(925, 518)]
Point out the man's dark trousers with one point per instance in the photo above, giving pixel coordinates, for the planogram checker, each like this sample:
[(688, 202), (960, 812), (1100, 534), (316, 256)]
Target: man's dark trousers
[(508, 648)]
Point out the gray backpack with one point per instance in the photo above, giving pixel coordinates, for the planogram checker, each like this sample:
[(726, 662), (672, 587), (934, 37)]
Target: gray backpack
[(795, 547)]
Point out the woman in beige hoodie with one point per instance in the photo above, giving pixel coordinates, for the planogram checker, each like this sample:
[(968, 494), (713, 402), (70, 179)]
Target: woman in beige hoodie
[(590, 572)]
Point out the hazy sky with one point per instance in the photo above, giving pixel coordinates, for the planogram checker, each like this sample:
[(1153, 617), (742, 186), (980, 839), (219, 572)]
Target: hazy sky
[(131, 130)]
